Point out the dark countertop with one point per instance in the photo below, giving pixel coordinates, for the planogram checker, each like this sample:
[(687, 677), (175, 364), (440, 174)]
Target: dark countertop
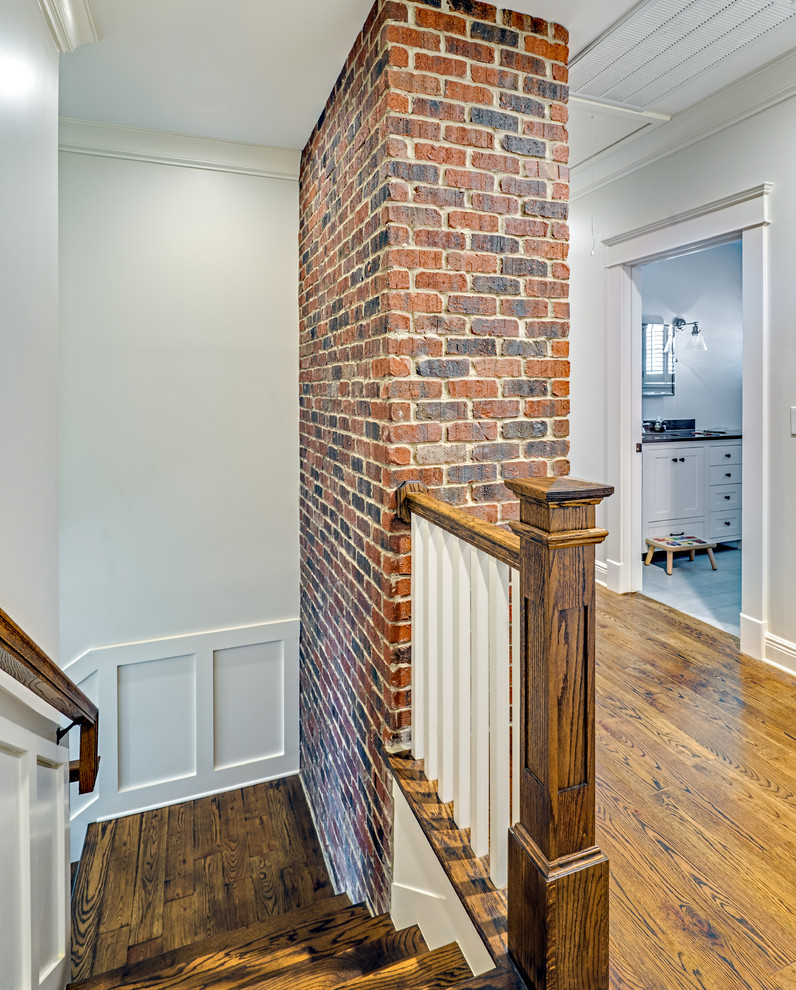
[(687, 436)]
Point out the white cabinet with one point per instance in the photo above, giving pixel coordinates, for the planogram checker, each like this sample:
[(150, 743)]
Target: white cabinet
[(692, 489)]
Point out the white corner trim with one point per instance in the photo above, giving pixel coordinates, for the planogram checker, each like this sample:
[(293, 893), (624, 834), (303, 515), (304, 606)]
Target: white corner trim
[(759, 91), (601, 573), (71, 23), (617, 110), (780, 653), (745, 196), (82, 137)]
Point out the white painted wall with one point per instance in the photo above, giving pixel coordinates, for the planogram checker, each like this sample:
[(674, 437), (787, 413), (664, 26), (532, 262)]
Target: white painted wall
[(705, 286), (179, 413), (759, 149), (29, 322)]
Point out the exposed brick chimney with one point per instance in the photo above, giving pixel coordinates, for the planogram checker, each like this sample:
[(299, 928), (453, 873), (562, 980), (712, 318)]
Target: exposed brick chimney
[(434, 316)]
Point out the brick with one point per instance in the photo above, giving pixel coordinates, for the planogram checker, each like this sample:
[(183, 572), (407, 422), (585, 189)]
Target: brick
[(526, 23), (446, 239), (495, 204), (546, 288), (472, 388), (441, 22), (497, 367), (459, 261), (547, 448), (474, 8), (496, 452), (482, 305), (469, 179), (440, 109), (526, 266), (546, 368), (398, 34), (496, 284), (484, 117), (494, 34), (411, 127), (413, 171), (522, 104), (442, 411), (414, 302), (525, 387), (416, 216), (553, 51), (440, 65), (495, 163), (496, 408), (470, 49), (415, 433), (472, 433), (441, 281), (543, 208), (469, 137), (413, 82), (523, 146), (465, 93), (472, 221), (467, 473), (526, 348), (444, 368), (440, 154), (494, 244), (496, 328), (523, 430), (524, 63), (545, 89), (445, 453), (481, 346), (522, 187), (491, 76), (524, 308)]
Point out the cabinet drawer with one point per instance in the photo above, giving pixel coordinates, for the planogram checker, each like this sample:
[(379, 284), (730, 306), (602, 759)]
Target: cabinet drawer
[(724, 497), (725, 474), (677, 527), (725, 525), (724, 453)]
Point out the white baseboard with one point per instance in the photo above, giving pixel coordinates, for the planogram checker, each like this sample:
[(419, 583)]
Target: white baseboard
[(780, 653), (753, 637)]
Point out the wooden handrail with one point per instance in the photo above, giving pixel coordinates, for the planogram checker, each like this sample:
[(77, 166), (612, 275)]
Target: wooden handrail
[(28, 664), (413, 498)]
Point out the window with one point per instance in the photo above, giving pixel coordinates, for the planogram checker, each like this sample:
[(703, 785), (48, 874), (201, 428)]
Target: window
[(657, 362)]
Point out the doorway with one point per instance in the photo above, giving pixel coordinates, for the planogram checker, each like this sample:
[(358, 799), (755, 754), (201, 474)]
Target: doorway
[(744, 215), (692, 446)]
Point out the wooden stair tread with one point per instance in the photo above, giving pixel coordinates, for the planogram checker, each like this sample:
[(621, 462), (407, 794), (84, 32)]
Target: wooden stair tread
[(504, 977), (345, 967), (323, 925), (437, 970)]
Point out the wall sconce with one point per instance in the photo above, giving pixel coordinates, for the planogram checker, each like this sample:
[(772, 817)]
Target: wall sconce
[(694, 341)]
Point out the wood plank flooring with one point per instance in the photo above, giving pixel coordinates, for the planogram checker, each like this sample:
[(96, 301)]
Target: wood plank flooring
[(696, 792), (170, 877)]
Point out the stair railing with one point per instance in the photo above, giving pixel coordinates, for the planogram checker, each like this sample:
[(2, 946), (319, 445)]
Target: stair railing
[(503, 710), (28, 664), (35, 699)]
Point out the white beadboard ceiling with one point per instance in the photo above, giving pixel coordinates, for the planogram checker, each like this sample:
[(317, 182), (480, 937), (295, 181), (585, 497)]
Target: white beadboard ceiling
[(259, 71), (664, 45)]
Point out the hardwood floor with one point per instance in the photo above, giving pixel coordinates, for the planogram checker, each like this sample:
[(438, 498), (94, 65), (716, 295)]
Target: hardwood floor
[(169, 877), (696, 792)]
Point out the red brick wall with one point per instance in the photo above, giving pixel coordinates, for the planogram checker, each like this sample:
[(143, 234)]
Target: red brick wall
[(434, 316)]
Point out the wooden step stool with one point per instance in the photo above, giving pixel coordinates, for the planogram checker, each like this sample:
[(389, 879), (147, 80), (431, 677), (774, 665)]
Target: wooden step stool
[(675, 544)]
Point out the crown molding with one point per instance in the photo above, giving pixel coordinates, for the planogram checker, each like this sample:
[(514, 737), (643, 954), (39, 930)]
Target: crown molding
[(82, 137), (71, 23), (755, 93)]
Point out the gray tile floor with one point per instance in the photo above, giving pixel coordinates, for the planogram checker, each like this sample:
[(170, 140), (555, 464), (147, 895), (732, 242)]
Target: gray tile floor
[(696, 589)]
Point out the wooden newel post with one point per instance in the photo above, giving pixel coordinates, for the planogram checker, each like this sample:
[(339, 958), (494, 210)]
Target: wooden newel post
[(558, 878)]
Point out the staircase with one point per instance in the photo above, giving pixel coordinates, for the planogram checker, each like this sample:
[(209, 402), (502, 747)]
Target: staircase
[(330, 944), (317, 941)]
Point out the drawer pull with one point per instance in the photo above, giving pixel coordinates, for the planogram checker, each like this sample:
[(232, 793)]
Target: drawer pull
[(727, 498), (674, 460), (728, 455), (728, 524), (683, 533), (682, 459), (728, 474)]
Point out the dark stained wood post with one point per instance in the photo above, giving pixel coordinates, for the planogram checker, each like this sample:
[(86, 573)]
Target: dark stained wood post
[(558, 878)]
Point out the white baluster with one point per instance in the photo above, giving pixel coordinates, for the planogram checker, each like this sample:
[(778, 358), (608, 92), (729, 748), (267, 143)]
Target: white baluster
[(499, 747), (479, 711), (445, 543), (432, 747), (516, 604), (419, 531), (462, 689)]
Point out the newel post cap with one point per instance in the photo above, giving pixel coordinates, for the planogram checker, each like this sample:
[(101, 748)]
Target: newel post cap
[(558, 491)]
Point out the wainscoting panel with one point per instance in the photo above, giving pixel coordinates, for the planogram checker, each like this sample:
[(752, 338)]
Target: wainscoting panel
[(188, 716)]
